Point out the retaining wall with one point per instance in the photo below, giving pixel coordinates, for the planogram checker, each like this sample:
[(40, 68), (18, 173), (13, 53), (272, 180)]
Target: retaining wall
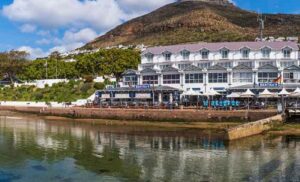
[(149, 115), (253, 128)]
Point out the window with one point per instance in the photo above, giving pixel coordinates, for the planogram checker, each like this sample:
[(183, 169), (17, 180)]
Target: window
[(245, 53), (266, 53), (242, 77), (267, 77), (286, 64), (194, 78), (217, 77), (204, 65), (161, 67), (249, 64), (149, 57), (225, 53), (171, 79), (291, 77), (267, 62), (226, 64), (204, 54), (150, 79), (183, 66), (287, 53), (130, 80), (185, 55), (167, 56)]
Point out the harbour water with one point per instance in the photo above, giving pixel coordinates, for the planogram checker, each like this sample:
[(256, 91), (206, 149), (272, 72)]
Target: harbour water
[(34, 149)]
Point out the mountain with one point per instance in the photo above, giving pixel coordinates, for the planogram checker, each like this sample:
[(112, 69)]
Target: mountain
[(197, 20)]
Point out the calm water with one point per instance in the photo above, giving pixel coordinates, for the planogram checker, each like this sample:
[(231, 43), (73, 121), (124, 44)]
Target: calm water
[(39, 150)]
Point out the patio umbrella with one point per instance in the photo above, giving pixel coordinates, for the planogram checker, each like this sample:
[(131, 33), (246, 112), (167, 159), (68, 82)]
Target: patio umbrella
[(248, 94), (266, 94), (211, 92), (233, 95), (296, 94), (283, 93)]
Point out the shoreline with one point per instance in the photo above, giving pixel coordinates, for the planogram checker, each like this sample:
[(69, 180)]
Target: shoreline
[(151, 115), (292, 129)]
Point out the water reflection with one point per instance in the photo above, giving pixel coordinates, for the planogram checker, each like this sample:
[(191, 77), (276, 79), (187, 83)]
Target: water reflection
[(66, 151)]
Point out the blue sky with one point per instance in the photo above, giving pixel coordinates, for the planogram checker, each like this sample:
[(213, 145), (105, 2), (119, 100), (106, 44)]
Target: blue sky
[(43, 26)]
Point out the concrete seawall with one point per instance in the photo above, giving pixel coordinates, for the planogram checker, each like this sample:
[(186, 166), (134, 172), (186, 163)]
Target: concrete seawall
[(253, 128), (148, 114)]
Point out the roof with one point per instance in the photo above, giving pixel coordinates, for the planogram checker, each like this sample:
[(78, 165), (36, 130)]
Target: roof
[(293, 67), (268, 67), (130, 72), (216, 67), (169, 69), (149, 70), (232, 46), (192, 68), (142, 89), (241, 67)]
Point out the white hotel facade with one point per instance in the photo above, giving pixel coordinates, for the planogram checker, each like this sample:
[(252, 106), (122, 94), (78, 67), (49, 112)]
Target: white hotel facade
[(219, 66)]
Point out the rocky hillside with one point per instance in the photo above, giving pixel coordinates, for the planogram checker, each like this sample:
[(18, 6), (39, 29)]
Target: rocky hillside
[(198, 20)]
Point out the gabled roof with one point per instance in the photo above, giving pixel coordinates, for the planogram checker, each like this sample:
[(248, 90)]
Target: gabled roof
[(292, 68), (130, 72), (242, 67), (192, 68), (216, 67), (149, 70), (268, 67), (169, 69), (214, 47)]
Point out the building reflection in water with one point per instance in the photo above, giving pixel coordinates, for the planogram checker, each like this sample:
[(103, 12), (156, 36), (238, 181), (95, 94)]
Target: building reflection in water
[(151, 154)]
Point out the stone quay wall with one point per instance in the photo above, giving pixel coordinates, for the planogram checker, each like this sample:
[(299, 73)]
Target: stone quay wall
[(149, 114), (254, 128)]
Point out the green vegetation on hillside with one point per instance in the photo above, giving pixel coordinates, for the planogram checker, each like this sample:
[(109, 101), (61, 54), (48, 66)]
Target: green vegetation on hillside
[(61, 92), (112, 62)]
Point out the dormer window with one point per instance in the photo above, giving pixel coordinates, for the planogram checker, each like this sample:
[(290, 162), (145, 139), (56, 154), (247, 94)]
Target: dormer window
[(225, 53), (149, 57), (287, 53), (204, 54), (167, 56), (185, 55), (245, 53), (266, 52)]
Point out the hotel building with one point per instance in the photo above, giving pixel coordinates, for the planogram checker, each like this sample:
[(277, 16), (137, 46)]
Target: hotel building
[(167, 71), (218, 66)]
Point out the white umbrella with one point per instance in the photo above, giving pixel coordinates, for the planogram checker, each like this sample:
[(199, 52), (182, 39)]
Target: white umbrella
[(266, 94), (211, 92), (296, 93), (283, 92), (233, 95), (248, 94)]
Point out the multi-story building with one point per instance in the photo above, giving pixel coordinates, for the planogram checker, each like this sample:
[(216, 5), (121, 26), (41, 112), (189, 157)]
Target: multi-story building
[(219, 66)]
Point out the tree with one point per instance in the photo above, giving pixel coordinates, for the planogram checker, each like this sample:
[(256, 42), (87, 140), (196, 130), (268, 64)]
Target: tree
[(12, 63)]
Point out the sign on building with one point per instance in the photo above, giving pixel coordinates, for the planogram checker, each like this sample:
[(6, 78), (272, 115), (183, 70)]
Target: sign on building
[(269, 85), (143, 96)]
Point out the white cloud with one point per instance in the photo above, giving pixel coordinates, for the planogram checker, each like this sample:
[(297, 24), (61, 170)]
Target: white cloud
[(50, 17), (99, 14), (34, 52), (28, 28), (134, 6)]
